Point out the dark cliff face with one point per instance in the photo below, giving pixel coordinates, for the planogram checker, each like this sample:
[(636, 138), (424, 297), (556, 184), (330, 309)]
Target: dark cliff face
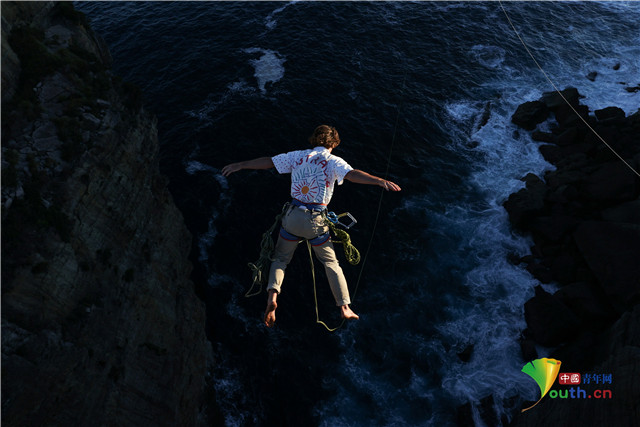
[(100, 322)]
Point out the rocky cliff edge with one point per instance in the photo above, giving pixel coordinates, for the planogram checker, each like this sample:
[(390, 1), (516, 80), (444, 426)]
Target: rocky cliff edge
[(100, 321)]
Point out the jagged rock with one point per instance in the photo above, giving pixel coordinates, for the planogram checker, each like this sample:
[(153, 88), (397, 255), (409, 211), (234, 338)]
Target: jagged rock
[(612, 181), (540, 272), (526, 203), (465, 355), (102, 103), (528, 349), (51, 143), (529, 114), (564, 266), (559, 154), (551, 153), (553, 227), (627, 212), (92, 122), (16, 14), (563, 104), (595, 261), (568, 137), (609, 113), (583, 299), (592, 76), (543, 137), (611, 251), (563, 177), (487, 411), (464, 415), (549, 320), (553, 100), (621, 345), (567, 117), (486, 115), (10, 68)]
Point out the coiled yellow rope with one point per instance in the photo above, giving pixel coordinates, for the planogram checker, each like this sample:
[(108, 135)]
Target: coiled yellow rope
[(351, 253)]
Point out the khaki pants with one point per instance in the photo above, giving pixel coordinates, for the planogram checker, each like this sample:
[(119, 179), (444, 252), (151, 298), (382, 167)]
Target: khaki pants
[(308, 224)]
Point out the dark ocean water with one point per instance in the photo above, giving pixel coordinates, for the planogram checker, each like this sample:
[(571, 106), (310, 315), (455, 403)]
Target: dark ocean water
[(230, 81)]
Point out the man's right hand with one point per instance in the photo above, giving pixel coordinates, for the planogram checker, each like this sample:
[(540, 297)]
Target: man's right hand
[(361, 177), (259, 163), (231, 168), (388, 185)]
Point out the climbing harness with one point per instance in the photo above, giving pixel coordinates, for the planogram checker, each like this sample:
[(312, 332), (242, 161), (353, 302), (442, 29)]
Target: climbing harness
[(562, 96)]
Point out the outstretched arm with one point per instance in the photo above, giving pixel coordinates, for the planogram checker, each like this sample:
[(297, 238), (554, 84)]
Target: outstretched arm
[(259, 163), (361, 177)]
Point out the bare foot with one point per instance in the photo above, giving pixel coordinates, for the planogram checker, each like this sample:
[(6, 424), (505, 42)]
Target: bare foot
[(270, 314), (348, 314)]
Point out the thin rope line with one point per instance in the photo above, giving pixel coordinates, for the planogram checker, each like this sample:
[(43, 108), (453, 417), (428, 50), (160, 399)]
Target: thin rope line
[(561, 95), (375, 223), (315, 294), (382, 191)]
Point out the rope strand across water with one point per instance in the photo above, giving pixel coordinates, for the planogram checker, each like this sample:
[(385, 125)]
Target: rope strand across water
[(562, 96)]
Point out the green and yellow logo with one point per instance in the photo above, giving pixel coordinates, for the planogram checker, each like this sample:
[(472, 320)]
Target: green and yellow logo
[(544, 371)]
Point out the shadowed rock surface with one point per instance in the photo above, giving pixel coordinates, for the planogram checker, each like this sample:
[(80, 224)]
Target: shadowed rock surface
[(584, 220), (100, 321)]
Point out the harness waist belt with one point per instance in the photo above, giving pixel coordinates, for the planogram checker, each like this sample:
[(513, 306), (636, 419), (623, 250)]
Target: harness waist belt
[(310, 206), (316, 241)]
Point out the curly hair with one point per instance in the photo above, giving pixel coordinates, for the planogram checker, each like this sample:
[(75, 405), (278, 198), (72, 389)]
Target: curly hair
[(326, 136)]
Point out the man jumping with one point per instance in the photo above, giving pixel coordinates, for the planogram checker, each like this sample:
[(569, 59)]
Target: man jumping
[(313, 175)]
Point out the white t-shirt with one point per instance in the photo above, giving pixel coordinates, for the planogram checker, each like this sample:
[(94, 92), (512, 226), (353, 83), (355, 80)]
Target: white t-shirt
[(313, 173)]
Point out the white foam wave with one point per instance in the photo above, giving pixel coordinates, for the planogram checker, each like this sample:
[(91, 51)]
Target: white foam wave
[(216, 103), (207, 239), (387, 405), (270, 21), (452, 6), (569, 53), (489, 56), (491, 317), (231, 396), (462, 111), (609, 86), (493, 314), (269, 68), (194, 166)]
